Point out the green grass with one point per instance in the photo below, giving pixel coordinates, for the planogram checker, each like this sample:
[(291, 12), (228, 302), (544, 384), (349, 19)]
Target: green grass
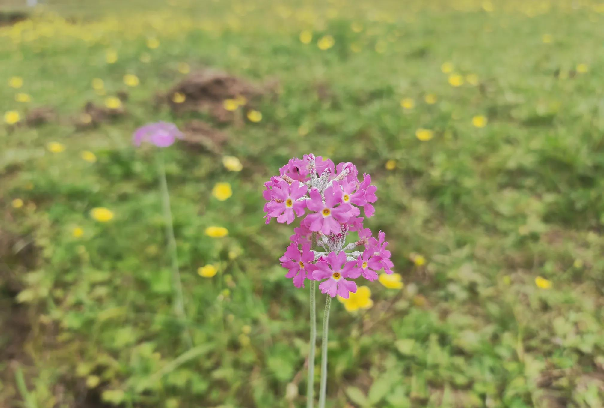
[(489, 208)]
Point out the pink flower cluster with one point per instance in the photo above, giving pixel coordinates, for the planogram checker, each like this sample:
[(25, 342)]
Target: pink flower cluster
[(328, 199)]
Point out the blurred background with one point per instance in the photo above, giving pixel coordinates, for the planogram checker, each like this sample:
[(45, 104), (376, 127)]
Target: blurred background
[(480, 122)]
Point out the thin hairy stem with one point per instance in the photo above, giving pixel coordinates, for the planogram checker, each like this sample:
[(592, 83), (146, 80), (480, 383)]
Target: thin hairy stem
[(323, 389), (310, 393), (179, 302)]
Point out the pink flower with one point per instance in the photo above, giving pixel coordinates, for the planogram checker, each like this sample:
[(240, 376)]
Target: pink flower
[(334, 269), (369, 263), (284, 204), (161, 134), (329, 214), (378, 247), (369, 195), (298, 262), (352, 171), (323, 165)]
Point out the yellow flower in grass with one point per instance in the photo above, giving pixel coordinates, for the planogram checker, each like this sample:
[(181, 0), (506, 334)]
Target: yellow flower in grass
[(543, 283), (101, 214), (113, 102), (17, 203), (390, 164), (479, 121), (98, 84), (326, 42), (419, 260), (111, 57), (305, 37), (430, 99), (12, 117), (22, 97), (15, 82), (216, 232), (152, 43), (222, 191), (547, 38), (447, 67), (392, 281), (88, 156), (254, 116), (131, 80), (184, 68), (207, 271), (232, 163), (359, 300), (424, 134), (179, 97), (55, 147), (77, 232), (407, 103), (582, 68), (230, 104), (455, 80)]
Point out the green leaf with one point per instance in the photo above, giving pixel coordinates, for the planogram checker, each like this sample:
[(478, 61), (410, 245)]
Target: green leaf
[(379, 389), (405, 346), (356, 395)]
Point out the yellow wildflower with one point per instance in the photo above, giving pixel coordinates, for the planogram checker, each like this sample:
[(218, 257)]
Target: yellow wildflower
[(455, 80), (543, 283), (254, 116), (17, 203), (152, 43), (479, 121), (22, 97), (424, 134), (326, 42), (113, 102), (392, 281), (131, 80), (15, 82), (390, 164), (222, 191), (207, 271), (184, 68), (230, 104), (447, 67), (88, 156), (547, 38), (305, 37), (179, 97), (55, 147), (77, 232), (216, 232), (472, 79), (407, 103), (101, 214), (246, 329), (111, 56), (418, 260), (430, 99), (359, 300), (232, 163), (12, 117), (98, 84), (582, 68)]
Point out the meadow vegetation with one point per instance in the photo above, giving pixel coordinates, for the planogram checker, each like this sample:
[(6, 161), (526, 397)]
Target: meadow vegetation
[(481, 123)]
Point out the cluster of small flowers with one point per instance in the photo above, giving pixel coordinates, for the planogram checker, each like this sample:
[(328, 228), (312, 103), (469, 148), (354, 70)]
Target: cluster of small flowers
[(333, 196)]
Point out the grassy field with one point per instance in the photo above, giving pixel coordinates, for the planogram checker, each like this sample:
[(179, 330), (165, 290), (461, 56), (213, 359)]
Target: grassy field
[(481, 123)]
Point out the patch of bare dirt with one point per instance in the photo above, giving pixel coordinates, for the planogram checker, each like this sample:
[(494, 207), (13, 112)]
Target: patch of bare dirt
[(206, 91), (199, 135), (40, 116), (8, 18)]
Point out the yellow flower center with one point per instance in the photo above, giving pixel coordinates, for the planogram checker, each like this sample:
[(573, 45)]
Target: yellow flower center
[(346, 198), (364, 265), (326, 212), (301, 264), (336, 275), (289, 203)]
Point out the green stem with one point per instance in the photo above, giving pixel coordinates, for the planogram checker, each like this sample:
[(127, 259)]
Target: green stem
[(323, 389), (179, 303), (311, 354)]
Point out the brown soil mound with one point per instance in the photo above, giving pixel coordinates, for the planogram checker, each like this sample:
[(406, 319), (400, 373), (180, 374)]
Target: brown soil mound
[(40, 116), (199, 135), (205, 91), (94, 115)]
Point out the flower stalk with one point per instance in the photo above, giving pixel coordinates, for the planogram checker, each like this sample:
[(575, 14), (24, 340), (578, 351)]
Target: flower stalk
[(324, 341), (310, 393)]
